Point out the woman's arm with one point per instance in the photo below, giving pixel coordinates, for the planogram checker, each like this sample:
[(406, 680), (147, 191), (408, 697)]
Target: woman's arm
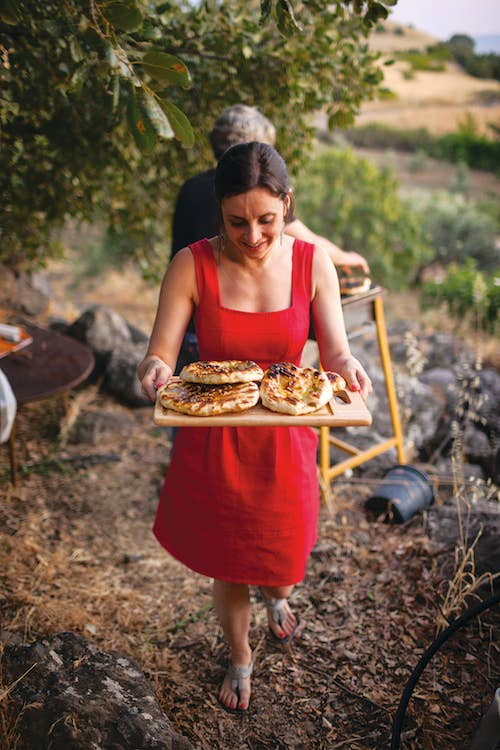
[(329, 326), (178, 297), (347, 259)]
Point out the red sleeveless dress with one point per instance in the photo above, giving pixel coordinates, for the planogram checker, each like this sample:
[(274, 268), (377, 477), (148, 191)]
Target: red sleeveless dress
[(241, 504)]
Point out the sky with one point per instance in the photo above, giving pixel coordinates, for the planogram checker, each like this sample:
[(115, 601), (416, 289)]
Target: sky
[(443, 18)]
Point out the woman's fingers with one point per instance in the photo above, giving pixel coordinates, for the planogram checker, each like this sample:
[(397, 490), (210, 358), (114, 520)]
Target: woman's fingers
[(156, 375), (356, 378)]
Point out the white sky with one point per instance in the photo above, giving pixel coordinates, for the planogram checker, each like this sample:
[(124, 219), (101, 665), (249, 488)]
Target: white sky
[(443, 18)]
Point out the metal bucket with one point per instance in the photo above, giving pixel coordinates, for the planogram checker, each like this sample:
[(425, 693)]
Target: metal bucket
[(403, 491)]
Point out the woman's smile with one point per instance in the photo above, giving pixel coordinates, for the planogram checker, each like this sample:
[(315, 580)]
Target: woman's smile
[(253, 221)]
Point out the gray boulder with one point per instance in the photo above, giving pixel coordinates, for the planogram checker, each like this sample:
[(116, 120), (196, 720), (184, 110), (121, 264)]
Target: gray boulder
[(120, 376), (103, 330), (74, 697)]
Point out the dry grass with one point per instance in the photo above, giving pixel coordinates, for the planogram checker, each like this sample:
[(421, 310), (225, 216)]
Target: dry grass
[(76, 553), (388, 41)]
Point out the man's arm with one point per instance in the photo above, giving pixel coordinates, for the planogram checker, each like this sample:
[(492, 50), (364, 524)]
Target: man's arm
[(339, 257)]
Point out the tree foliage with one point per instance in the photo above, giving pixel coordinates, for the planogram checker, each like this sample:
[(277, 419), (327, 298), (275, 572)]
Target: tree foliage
[(356, 204), (105, 104)]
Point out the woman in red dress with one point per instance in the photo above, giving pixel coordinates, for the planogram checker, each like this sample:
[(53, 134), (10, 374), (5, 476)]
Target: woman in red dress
[(240, 504)]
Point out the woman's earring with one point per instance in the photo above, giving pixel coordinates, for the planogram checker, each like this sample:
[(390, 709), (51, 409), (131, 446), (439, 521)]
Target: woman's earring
[(222, 240), (281, 234)]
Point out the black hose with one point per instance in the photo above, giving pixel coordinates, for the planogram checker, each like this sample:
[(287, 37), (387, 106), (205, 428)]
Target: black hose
[(397, 724)]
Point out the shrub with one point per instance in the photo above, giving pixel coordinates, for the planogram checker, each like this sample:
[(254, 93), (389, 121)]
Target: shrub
[(427, 61), (477, 151), (466, 290), (457, 229), (356, 205), (465, 145), (378, 135)]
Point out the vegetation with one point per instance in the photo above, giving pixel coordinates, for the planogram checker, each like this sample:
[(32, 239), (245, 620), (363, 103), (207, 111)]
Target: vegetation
[(462, 47), (351, 201), (94, 91), (467, 292), (464, 145), (457, 230), (433, 60)]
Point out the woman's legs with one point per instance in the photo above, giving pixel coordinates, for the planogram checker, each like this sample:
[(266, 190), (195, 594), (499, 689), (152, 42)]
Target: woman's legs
[(290, 621), (232, 604)]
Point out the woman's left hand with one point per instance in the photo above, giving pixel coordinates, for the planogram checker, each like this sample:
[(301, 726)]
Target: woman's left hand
[(354, 375)]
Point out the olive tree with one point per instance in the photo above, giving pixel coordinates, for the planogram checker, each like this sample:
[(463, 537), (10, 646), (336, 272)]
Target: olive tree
[(105, 104)]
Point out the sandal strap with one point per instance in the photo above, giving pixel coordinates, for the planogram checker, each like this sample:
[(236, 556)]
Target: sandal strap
[(238, 674), (276, 607)]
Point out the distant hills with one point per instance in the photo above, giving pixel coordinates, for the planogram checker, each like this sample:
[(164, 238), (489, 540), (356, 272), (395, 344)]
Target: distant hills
[(393, 37)]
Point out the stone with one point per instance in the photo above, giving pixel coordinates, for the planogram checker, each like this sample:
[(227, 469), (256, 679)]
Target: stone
[(120, 377), (93, 427), (482, 527), (73, 696), (103, 330), (32, 297)]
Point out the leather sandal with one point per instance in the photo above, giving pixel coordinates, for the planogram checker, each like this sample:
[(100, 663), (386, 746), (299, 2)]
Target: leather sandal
[(237, 675), (278, 614)]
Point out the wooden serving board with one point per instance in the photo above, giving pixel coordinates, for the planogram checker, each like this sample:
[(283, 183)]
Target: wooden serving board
[(346, 409)]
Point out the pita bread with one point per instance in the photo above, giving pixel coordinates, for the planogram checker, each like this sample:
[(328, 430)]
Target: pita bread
[(336, 381), (354, 285), (201, 400), (226, 371), (289, 389)]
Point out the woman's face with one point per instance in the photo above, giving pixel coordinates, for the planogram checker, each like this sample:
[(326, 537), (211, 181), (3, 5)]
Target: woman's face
[(253, 221)]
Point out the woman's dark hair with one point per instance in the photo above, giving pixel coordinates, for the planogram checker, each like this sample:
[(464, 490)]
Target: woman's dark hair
[(249, 165)]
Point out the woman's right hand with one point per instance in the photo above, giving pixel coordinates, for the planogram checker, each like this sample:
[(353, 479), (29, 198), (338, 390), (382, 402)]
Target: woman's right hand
[(153, 373)]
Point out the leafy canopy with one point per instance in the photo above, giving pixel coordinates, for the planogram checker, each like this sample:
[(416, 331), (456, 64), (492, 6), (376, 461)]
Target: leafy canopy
[(106, 104)]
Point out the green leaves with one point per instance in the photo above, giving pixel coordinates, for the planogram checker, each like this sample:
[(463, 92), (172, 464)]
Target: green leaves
[(166, 68), (9, 12), (181, 126), (157, 116), (123, 16), (140, 126), (82, 74), (150, 118)]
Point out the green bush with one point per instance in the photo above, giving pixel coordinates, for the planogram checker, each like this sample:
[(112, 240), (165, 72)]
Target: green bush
[(356, 205), (477, 151), (457, 229), (433, 61), (466, 290), (378, 135), (465, 145)]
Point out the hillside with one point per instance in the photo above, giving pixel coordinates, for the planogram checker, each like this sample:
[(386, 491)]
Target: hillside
[(437, 101), (395, 37)]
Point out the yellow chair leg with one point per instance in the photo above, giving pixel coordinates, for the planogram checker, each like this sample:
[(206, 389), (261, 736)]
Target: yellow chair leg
[(385, 357)]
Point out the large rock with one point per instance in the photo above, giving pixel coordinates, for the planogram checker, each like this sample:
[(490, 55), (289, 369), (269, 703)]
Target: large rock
[(481, 522), (71, 696), (103, 330), (120, 377)]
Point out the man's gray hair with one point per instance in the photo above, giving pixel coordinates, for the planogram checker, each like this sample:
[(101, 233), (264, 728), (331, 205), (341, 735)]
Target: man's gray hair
[(240, 124)]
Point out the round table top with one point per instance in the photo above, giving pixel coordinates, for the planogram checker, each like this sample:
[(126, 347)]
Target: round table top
[(52, 363)]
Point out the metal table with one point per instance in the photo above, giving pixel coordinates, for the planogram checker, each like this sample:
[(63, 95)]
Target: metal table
[(359, 310), (51, 364)]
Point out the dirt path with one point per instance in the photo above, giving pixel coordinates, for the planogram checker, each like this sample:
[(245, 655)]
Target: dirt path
[(77, 553)]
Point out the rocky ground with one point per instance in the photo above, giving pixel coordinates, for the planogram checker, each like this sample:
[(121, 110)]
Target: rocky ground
[(77, 554)]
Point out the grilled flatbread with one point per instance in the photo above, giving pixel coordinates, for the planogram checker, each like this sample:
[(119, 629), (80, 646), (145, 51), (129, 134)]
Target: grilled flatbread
[(226, 371), (201, 400), (350, 285), (336, 381), (289, 389)]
